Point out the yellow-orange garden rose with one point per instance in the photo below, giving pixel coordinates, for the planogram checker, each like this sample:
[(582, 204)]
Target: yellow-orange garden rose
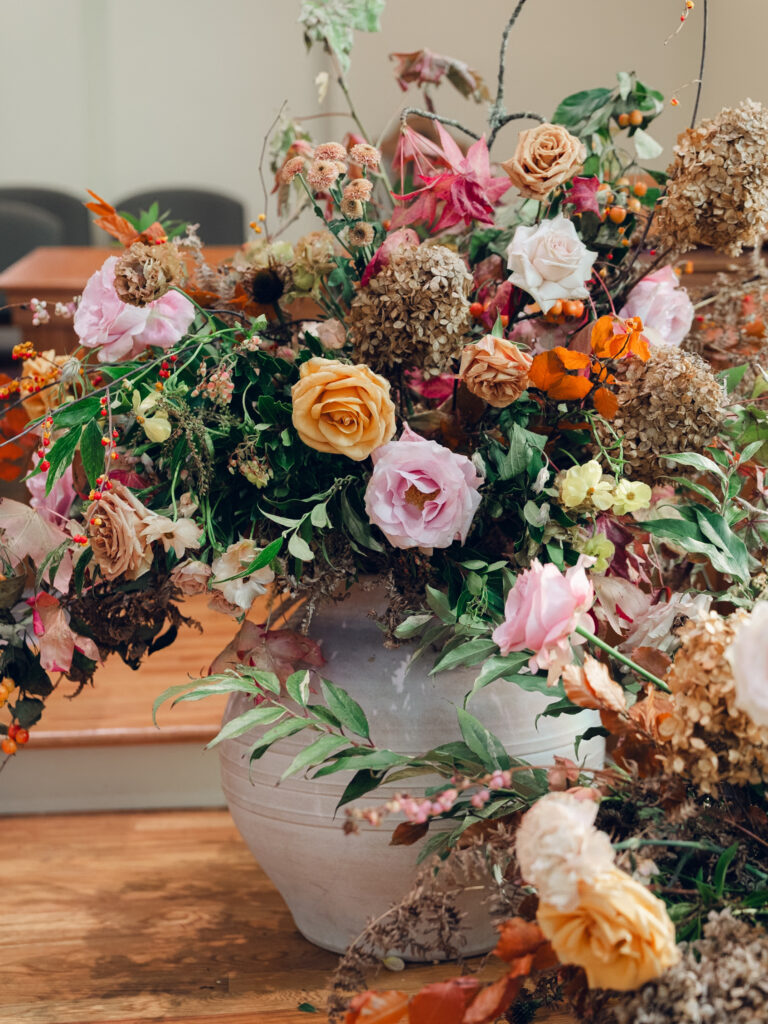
[(619, 933), (342, 409), (495, 370), (546, 156)]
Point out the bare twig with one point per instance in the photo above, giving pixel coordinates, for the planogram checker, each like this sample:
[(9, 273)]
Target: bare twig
[(700, 82), (267, 135)]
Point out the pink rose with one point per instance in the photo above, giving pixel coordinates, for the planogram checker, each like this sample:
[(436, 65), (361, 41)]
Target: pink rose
[(542, 612), (662, 304), (421, 494), (120, 330), (54, 506)]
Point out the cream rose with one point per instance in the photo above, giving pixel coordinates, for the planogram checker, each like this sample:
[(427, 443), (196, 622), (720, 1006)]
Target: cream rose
[(239, 593), (546, 156), (341, 409), (619, 932), (550, 262), (495, 370), (748, 657), (116, 523)]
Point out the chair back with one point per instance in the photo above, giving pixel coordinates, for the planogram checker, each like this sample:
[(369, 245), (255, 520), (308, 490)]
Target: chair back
[(67, 209), (23, 228)]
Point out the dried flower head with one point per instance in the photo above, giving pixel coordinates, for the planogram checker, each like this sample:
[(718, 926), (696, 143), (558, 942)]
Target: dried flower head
[(322, 174), (290, 169), (351, 208), (717, 194), (266, 285), (331, 151), (359, 235), (313, 260), (709, 740), (146, 272), (360, 189), (672, 403), (414, 311), (365, 155)]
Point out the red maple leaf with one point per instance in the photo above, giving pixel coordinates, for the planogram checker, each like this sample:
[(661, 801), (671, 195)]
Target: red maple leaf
[(583, 195)]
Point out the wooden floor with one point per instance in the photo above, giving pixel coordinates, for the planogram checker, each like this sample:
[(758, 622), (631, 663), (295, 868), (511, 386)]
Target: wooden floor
[(149, 917)]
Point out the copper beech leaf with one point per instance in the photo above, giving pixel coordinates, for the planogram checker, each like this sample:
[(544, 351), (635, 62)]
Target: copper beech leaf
[(444, 1002), (408, 833)]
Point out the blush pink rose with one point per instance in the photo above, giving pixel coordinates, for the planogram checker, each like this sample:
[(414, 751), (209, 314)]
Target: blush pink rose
[(421, 494), (542, 612), (662, 304), (120, 330)]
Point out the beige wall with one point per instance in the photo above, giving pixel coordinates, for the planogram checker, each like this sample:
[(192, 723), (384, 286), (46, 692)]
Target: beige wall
[(121, 95)]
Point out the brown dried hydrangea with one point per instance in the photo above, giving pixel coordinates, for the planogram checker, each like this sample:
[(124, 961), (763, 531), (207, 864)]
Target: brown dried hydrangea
[(708, 739), (672, 403), (146, 272), (717, 194), (414, 311), (721, 979)]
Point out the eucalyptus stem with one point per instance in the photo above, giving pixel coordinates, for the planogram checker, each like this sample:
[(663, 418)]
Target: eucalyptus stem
[(622, 658)]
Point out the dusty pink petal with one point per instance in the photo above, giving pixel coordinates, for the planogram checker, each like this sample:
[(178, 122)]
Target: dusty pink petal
[(662, 304)]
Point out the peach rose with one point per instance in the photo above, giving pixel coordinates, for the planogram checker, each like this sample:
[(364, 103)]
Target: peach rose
[(191, 577), (546, 156), (620, 933), (116, 521), (495, 370), (342, 409)]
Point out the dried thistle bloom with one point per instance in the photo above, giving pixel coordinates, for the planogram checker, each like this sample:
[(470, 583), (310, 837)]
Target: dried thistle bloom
[(290, 169), (145, 273), (414, 311), (708, 739), (322, 174), (351, 208), (360, 189), (359, 235), (672, 403), (717, 194), (365, 155), (720, 979), (313, 260), (331, 151)]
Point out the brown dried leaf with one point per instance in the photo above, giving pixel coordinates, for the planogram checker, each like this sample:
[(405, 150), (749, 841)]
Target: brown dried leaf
[(652, 660), (590, 686), (407, 833)]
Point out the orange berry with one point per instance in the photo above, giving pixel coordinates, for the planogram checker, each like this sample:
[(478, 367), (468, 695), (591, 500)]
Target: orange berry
[(8, 746), (22, 736), (603, 186), (623, 120), (617, 214), (634, 205), (640, 188), (622, 183), (556, 309), (476, 310), (573, 308), (504, 320), (636, 118), (5, 692)]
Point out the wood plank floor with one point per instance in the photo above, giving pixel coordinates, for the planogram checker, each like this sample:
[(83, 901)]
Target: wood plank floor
[(150, 917)]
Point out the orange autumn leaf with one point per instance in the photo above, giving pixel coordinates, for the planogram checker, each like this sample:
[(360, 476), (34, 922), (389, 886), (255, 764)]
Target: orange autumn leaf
[(548, 373), (517, 938), (491, 1003), (606, 403), (608, 343), (109, 220), (408, 833), (570, 387), (570, 359), (370, 1007), (601, 337), (590, 686), (545, 369), (444, 1002)]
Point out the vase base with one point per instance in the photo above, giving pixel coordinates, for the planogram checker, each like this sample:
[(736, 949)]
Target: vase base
[(476, 945)]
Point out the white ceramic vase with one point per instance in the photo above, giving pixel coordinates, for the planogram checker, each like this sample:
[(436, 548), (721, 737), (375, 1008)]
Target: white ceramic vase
[(334, 883)]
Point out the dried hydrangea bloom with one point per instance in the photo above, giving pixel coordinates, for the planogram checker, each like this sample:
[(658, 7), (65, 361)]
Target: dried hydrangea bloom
[(717, 194), (414, 311), (322, 174), (146, 272), (672, 403), (720, 979), (709, 740), (331, 151)]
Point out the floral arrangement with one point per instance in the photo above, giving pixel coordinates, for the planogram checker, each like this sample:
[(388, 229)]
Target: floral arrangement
[(487, 388)]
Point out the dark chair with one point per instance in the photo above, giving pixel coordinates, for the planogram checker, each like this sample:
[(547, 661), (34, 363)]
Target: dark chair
[(22, 229), (68, 210), (221, 219)]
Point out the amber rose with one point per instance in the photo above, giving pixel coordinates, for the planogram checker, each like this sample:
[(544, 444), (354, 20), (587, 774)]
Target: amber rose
[(495, 370), (546, 156), (342, 409), (619, 932), (115, 524)]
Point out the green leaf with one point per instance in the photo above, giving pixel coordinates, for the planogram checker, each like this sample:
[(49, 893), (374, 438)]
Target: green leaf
[(578, 108), (482, 742), (697, 461), (266, 679), (334, 23), (307, 1008), (78, 576), (313, 754), (440, 605), (646, 147), (231, 685), (721, 870), (732, 377), (319, 516), (60, 456), (625, 83), (76, 413), (297, 686), (717, 530), (359, 530), (368, 760), (362, 782), (468, 653), (413, 625), (245, 722), (299, 548), (496, 667), (92, 451), (287, 727), (347, 710)]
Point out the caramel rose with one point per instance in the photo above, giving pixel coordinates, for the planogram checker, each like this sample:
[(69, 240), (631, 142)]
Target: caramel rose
[(342, 409), (116, 521), (495, 370), (546, 156)]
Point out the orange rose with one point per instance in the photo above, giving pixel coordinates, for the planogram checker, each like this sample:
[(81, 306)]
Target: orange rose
[(620, 933), (495, 370), (546, 156), (342, 409)]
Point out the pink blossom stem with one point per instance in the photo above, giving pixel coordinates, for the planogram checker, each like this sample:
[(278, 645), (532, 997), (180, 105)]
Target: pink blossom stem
[(602, 284)]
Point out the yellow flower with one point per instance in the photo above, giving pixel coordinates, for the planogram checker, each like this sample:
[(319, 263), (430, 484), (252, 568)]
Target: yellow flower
[(601, 549), (620, 933), (342, 409), (157, 427), (630, 496), (586, 485)]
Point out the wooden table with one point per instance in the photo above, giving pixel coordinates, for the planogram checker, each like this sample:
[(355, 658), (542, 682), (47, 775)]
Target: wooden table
[(165, 916), (58, 274)]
